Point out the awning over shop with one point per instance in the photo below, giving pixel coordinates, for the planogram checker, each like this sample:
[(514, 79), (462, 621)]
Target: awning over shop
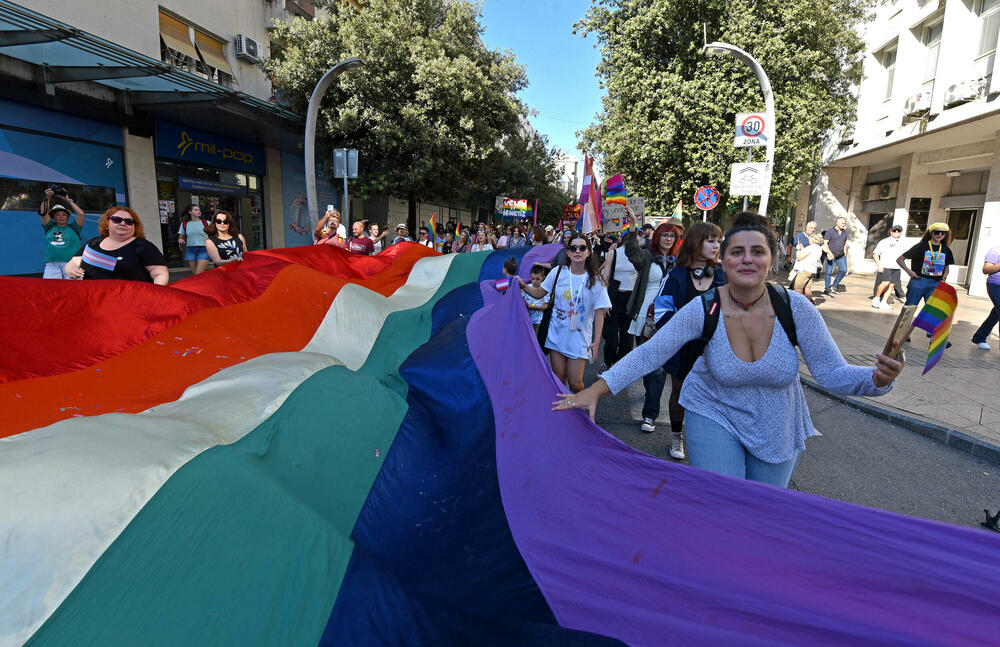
[(65, 54)]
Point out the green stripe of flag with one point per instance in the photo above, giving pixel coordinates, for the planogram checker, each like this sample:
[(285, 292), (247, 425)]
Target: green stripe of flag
[(247, 544)]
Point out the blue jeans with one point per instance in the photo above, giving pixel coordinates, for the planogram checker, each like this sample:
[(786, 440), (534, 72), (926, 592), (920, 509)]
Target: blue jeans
[(711, 447), (841, 265), (993, 291), (654, 391), (919, 288)]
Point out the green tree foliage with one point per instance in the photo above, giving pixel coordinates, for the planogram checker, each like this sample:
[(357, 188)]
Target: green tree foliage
[(429, 110), (668, 117), (524, 167)]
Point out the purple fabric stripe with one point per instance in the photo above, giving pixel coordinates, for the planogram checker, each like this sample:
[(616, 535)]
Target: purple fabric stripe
[(98, 259), (537, 254), (650, 552)]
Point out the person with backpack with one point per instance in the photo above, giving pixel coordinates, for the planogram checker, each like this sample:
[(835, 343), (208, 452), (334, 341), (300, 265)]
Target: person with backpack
[(746, 414), (696, 273), (192, 236)]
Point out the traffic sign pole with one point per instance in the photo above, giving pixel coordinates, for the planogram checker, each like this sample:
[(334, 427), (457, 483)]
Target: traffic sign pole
[(746, 198)]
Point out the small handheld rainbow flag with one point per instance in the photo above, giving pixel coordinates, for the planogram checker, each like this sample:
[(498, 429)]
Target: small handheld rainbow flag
[(936, 317), (616, 191), (676, 215), (433, 228), (626, 224)]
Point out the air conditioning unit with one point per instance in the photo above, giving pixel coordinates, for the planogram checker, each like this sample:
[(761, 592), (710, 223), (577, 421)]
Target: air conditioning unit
[(883, 191), (961, 93), (917, 104), (247, 48)]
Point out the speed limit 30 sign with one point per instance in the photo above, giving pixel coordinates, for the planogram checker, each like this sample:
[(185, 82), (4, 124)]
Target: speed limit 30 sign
[(750, 129)]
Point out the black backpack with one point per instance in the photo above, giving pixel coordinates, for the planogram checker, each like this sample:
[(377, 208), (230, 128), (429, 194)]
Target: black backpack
[(779, 301)]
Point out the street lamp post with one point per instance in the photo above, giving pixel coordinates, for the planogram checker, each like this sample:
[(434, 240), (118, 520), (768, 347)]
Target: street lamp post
[(310, 143), (717, 48)]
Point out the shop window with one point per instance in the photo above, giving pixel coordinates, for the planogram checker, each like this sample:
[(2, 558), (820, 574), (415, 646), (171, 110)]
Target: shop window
[(919, 212), (960, 222), (878, 228), (26, 195)]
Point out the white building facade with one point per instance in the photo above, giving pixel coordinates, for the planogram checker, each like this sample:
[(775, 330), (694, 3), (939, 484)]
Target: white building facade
[(567, 167), (925, 146)]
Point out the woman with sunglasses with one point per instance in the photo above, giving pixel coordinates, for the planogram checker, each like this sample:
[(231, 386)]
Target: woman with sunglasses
[(225, 243), (120, 252), (579, 302), (928, 264)]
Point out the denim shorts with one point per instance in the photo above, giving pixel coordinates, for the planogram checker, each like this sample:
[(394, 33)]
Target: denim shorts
[(196, 254)]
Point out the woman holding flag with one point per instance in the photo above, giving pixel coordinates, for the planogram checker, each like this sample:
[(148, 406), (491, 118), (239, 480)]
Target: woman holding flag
[(746, 414)]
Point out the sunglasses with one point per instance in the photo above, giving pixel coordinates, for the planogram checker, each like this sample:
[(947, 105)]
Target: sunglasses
[(577, 248), (941, 233), (221, 221), (118, 220)]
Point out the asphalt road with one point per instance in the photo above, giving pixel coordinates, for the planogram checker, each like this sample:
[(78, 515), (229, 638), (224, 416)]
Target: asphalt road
[(858, 458)]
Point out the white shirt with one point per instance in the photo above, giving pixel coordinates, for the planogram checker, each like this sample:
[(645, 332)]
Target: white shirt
[(811, 261), (572, 298), (624, 271), (485, 247), (888, 250)]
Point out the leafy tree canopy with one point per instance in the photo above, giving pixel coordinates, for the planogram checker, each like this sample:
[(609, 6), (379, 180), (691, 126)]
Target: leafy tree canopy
[(430, 110), (668, 118)]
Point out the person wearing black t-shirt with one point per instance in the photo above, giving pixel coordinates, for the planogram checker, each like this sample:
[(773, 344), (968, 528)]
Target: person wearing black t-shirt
[(120, 252), (927, 262), (225, 243)]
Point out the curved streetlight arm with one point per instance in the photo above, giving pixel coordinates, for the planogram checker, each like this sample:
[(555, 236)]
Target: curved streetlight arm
[(717, 48), (310, 142)]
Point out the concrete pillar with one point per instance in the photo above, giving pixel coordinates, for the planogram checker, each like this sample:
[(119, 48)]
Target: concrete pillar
[(140, 183), (903, 194), (987, 232), (274, 200)]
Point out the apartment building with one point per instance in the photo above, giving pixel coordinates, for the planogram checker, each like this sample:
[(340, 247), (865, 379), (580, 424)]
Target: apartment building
[(566, 166), (925, 146)]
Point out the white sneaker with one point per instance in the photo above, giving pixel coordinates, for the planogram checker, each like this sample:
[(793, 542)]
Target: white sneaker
[(876, 302), (677, 446), (983, 345), (648, 425)]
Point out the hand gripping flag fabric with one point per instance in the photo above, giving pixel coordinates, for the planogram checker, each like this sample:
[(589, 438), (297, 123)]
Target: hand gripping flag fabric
[(936, 317), (616, 193), (314, 447)]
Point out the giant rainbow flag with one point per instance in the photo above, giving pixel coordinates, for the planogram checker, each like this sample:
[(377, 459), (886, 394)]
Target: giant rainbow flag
[(311, 447)]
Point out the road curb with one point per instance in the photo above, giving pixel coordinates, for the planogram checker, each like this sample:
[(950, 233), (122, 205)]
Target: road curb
[(940, 433)]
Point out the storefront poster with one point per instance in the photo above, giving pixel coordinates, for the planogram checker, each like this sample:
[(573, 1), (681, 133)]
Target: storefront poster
[(297, 223), (200, 147)]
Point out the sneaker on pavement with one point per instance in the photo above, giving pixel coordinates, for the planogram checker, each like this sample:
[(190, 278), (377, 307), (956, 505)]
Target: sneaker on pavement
[(648, 425), (876, 302), (677, 446), (983, 345), (829, 293)]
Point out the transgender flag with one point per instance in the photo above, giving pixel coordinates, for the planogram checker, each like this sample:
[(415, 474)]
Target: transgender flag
[(314, 447), (590, 200)]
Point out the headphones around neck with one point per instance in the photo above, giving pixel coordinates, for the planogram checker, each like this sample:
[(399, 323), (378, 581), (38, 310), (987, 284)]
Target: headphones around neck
[(703, 272)]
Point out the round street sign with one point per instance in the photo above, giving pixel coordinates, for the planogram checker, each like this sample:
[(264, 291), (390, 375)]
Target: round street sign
[(707, 198), (752, 125)]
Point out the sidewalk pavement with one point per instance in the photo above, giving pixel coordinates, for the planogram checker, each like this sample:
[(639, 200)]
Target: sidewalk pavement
[(957, 403)]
